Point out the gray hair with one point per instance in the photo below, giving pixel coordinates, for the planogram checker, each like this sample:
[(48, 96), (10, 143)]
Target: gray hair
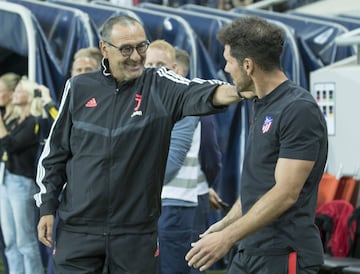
[(123, 20)]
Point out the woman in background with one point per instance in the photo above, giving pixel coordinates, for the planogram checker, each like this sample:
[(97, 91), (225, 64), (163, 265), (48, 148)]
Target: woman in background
[(19, 145), (8, 82)]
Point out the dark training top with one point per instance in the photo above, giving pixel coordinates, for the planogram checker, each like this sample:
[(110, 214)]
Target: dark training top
[(20, 145), (287, 123), (110, 144)]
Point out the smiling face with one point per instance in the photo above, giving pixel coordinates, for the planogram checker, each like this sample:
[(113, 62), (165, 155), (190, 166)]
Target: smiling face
[(124, 67), (20, 97), (237, 72)]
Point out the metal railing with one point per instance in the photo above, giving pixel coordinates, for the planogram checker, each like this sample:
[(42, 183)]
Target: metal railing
[(350, 38), (265, 4)]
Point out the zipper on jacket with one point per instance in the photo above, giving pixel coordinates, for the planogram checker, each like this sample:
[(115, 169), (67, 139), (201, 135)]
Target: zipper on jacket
[(113, 107)]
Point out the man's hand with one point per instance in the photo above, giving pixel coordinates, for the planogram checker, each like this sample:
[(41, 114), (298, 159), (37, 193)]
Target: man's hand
[(45, 228), (215, 201), (247, 94), (214, 198), (208, 250)]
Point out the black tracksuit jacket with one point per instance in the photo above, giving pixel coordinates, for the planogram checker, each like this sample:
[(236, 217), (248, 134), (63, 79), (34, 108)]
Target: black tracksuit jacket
[(110, 144)]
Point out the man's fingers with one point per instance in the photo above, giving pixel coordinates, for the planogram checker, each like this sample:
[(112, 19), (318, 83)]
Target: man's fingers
[(43, 238), (45, 232), (46, 242), (211, 229), (197, 259), (190, 254), (42, 235), (193, 255), (206, 266)]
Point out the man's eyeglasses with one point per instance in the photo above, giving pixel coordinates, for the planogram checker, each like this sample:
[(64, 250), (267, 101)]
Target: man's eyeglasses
[(127, 50)]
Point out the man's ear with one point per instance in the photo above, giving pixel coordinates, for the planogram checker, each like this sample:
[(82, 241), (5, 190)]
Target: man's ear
[(103, 48), (248, 66), (176, 68)]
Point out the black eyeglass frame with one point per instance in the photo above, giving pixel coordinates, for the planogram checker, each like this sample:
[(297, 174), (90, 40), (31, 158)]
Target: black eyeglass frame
[(131, 48)]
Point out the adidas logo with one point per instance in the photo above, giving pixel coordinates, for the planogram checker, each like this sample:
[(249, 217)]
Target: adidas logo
[(91, 103)]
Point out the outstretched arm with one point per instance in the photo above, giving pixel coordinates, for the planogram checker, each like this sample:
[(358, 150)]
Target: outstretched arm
[(227, 94)]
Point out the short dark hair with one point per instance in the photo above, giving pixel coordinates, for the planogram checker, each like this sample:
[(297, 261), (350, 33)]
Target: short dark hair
[(124, 20), (255, 38)]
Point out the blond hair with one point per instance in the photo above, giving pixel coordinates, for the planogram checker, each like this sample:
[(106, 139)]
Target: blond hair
[(91, 52), (36, 104), (164, 46), (10, 80), (183, 61)]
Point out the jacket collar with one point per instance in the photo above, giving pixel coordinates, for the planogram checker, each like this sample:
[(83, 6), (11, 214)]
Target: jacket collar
[(105, 67)]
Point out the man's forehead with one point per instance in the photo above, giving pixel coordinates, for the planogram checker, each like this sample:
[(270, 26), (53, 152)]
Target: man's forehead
[(129, 33)]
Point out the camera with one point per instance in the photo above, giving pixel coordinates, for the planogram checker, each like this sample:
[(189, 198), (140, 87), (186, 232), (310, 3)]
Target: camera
[(37, 92)]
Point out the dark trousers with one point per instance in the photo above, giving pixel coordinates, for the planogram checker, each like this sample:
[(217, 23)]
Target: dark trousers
[(112, 254), (201, 221), (175, 237), (270, 264)]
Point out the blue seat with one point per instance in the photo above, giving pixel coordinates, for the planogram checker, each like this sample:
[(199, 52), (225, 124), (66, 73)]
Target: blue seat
[(29, 46), (98, 14), (206, 27), (349, 23), (67, 29)]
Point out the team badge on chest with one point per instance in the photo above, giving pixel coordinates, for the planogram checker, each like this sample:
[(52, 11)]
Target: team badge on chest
[(267, 124)]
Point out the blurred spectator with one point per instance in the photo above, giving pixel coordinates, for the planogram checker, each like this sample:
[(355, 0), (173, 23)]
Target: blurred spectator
[(179, 193), (8, 82), (182, 62), (19, 144), (210, 163), (86, 60), (161, 54), (210, 153)]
